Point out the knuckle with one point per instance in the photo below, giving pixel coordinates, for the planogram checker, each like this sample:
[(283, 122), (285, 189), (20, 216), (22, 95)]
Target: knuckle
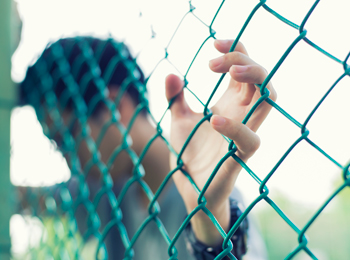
[(240, 47), (237, 55), (263, 73), (256, 144), (233, 57), (226, 58)]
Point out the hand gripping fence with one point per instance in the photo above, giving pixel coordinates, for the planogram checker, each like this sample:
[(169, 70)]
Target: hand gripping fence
[(62, 204)]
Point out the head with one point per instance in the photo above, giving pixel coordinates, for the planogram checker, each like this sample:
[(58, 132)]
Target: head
[(86, 91)]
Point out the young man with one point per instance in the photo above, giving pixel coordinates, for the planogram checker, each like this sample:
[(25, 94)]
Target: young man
[(88, 91)]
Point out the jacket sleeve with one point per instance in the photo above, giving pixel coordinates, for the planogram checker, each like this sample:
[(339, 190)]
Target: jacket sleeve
[(239, 239)]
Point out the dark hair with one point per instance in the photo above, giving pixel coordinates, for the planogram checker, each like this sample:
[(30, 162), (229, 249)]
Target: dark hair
[(79, 69)]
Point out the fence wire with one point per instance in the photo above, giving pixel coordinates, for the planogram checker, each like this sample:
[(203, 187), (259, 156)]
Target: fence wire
[(61, 203)]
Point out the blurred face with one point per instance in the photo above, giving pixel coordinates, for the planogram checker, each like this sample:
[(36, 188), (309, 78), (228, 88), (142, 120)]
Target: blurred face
[(104, 139), (109, 142)]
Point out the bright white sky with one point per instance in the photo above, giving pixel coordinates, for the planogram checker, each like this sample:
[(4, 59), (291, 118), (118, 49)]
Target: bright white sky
[(306, 176)]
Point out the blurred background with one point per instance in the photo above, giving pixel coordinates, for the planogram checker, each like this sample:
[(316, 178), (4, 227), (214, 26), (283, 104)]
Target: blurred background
[(303, 182)]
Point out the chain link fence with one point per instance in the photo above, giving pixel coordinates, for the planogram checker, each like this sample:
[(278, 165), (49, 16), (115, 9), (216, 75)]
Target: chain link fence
[(70, 211)]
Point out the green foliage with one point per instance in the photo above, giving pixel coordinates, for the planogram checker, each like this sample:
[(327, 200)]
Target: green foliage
[(57, 242), (328, 236)]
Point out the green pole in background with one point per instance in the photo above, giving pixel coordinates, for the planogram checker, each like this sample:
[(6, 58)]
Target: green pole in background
[(7, 95)]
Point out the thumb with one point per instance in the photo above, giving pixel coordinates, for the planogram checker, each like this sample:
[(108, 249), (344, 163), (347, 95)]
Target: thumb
[(245, 139), (174, 93)]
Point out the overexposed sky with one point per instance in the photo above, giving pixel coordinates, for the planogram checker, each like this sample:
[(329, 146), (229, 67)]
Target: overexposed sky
[(306, 176)]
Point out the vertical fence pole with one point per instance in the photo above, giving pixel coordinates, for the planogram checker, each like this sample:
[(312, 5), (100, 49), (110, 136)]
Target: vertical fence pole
[(7, 94)]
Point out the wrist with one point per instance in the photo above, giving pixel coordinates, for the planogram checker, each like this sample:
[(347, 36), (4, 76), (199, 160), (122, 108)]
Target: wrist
[(203, 251), (204, 228)]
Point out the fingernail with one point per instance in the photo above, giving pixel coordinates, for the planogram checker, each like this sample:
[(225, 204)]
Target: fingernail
[(239, 69), (216, 62), (218, 120)]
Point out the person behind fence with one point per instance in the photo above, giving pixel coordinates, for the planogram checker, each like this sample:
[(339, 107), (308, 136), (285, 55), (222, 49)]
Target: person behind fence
[(98, 90)]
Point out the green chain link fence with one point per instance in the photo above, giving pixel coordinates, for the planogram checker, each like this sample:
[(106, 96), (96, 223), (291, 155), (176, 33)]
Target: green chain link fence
[(61, 206)]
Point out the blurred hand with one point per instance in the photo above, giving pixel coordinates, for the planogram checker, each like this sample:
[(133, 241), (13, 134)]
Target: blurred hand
[(208, 146)]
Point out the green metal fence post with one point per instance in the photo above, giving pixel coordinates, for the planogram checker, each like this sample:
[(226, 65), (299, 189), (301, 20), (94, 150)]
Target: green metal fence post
[(7, 94)]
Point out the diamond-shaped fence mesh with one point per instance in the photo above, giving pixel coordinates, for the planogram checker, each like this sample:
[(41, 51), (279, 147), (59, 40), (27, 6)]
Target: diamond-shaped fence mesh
[(66, 88)]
